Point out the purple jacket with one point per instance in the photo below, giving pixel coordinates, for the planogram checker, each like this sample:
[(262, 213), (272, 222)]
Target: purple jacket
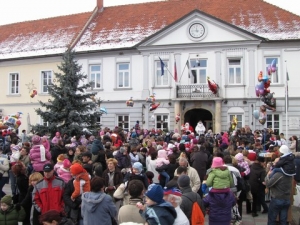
[(35, 157), (220, 205)]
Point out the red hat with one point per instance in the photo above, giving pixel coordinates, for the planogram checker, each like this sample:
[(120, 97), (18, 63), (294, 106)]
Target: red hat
[(76, 169)]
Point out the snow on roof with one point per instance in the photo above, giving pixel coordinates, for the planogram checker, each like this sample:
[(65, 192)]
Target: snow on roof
[(125, 26)]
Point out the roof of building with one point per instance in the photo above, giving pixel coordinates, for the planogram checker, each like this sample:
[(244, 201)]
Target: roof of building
[(125, 26), (40, 37)]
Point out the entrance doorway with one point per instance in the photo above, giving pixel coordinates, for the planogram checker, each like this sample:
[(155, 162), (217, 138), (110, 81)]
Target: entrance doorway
[(193, 116)]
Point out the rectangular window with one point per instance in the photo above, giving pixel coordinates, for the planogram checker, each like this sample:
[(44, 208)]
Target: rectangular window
[(123, 75), (14, 83), (46, 80), (239, 118), (162, 122), (272, 62), (44, 123), (95, 76), (123, 121), (234, 71), (273, 122), (98, 120), (198, 71), (161, 80)]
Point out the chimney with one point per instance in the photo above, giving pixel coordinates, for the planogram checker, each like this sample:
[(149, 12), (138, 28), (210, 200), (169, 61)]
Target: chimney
[(100, 4)]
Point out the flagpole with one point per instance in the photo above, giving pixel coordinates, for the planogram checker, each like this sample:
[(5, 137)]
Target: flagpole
[(286, 101), (183, 70), (170, 73)]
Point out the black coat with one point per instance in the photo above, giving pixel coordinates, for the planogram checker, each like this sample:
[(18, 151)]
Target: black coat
[(22, 184), (256, 177), (27, 204), (69, 204), (199, 160), (287, 164), (56, 150)]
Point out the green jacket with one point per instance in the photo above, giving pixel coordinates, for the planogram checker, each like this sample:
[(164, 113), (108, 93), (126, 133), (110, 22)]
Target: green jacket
[(11, 216), (219, 178)]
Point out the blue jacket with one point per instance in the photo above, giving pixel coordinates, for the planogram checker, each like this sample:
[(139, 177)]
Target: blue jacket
[(160, 214), (96, 208), (220, 205), (96, 146)]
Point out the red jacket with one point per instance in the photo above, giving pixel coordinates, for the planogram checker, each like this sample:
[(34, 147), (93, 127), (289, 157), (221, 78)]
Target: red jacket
[(48, 194)]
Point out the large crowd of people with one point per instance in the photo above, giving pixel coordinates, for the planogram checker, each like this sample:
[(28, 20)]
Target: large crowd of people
[(148, 177)]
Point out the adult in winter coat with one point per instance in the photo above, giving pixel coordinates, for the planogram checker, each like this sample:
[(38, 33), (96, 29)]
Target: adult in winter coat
[(188, 197), (10, 214), (123, 158), (112, 176), (199, 161), (27, 201), (19, 171), (39, 154), (256, 179), (97, 146), (97, 206), (4, 167)]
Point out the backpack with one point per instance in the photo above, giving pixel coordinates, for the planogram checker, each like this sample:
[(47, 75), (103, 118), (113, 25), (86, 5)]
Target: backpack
[(197, 217)]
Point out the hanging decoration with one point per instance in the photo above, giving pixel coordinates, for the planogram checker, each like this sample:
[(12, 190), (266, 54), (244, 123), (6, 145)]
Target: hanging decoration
[(103, 110), (233, 122), (11, 121), (151, 98), (130, 102), (266, 96), (213, 87), (177, 118), (33, 93), (154, 106)]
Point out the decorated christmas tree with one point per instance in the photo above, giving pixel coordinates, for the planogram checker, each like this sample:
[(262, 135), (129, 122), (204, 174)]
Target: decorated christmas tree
[(71, 108)]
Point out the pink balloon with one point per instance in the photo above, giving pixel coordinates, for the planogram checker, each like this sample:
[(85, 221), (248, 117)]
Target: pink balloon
[(269, 70), (257, 91)]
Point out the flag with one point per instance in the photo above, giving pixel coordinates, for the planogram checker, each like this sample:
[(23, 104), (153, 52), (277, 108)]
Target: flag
[(287, 92), (175, 71), (162, 65), (188, 66)]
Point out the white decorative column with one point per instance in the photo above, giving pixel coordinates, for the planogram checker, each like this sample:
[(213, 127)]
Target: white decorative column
[(217, 116)]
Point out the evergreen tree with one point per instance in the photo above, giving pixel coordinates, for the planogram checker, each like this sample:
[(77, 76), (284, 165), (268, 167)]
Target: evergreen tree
[(70, 109)]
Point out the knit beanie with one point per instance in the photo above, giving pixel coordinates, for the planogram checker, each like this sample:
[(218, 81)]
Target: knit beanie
[(155, 193), (239, 157), (7, 199), (76, 169), (183, 181), (138, 166), (36, 140), (66, 163)]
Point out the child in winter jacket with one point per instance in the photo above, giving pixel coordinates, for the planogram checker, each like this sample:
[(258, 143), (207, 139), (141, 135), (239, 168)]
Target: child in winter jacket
[(64, 171), (60, 159), (243, 164), (162, 159), (156, 210), (285, 163), (219, 177), (137, 174), (10, 214), (81, 181)]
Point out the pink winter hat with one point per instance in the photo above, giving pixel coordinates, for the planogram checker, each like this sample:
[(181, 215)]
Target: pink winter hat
[(239, 157), (36, 140), (66, 163), (217, 162)]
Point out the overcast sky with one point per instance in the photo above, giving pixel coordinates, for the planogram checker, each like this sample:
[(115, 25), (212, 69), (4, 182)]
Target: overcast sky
[(12, 11)]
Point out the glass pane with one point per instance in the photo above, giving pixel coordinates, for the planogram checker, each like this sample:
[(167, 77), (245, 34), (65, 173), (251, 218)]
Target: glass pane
[(276, 117), (158, 118), (120, 118), (123, 66), (231, 76), (95, 68), (98, 80), (126, 79), (165, 79), (165, 126), (202, 76), (119, 124), (269, 117), (158, 125), (234, 61), (203, 63), (126, 118), (231, 117), (158, 77), (239, 124), (269, 124), (194, 76), (239, 117), (193, 63), (238, 76), (120, 79), (276, 124)]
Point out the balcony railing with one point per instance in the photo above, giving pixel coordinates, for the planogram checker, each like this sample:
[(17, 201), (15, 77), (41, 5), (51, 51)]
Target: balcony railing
[(194, 91)]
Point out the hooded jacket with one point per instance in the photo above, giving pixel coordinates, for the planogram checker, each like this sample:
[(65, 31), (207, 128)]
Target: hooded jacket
[(160, 214), (97, 207), (96, 146), (220, 178), (12, 216), (35, 157)]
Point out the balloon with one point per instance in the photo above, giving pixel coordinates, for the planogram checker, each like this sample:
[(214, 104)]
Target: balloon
[(273, 66), (267, 84), (269, 69), (256, 114), (262, 118), (33, 93), (260, 76), (233, 122), (213, 87), (103, 110), (265, 79), (257, 91), (269, 100), (151, 98)]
